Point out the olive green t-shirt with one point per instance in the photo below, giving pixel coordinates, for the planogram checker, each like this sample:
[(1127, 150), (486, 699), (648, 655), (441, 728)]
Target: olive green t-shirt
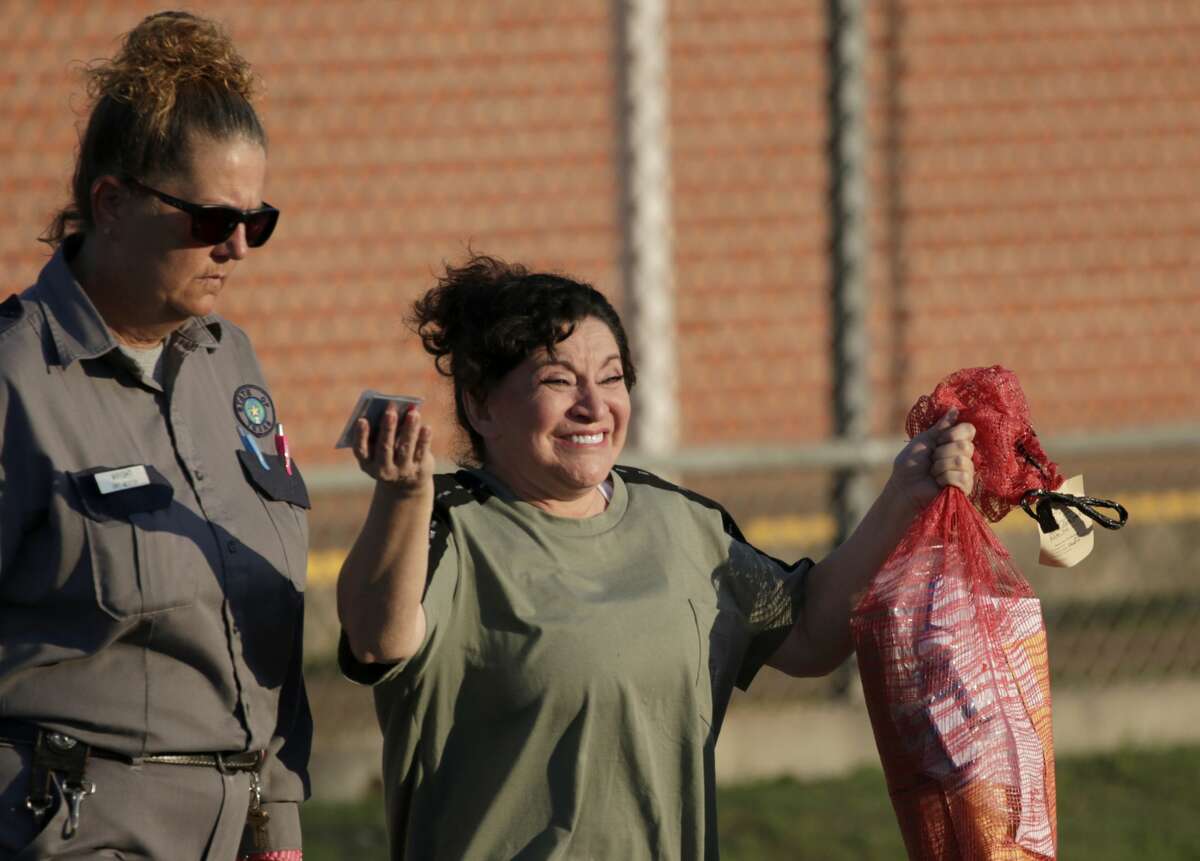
[(568, 695)]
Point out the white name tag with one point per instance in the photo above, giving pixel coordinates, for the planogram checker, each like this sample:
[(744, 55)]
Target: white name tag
[(122, 479)]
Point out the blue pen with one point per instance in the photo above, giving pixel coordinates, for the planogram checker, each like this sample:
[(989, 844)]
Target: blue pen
[(252, 446)]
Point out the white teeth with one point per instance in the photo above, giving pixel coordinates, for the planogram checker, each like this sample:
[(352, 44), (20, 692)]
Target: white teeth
[(587, 439)]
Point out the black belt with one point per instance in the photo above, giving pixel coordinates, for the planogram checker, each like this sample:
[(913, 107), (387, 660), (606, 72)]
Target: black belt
[(23, 733)]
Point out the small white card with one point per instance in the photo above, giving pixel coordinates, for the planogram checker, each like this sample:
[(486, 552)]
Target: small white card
[(122, 479), (1067, 546)]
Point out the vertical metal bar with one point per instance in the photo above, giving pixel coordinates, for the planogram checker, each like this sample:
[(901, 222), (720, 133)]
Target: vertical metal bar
[(849, 252), (848, 267), (641, 38), (891, 142)]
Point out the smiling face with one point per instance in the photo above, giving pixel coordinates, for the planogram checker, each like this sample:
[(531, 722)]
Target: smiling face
[(556, 424), (177, 277)]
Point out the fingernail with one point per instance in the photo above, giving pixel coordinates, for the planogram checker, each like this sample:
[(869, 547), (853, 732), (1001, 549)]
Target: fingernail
[(953, 414)]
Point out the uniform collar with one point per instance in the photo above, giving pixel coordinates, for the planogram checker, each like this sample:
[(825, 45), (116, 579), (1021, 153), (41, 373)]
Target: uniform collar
[(201, 332), (78, 330)]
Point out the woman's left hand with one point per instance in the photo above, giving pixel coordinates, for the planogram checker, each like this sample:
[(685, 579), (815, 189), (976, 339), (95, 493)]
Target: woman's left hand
[(937, 458)]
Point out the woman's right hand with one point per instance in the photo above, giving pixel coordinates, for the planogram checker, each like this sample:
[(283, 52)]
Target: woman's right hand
[(383, 577), (403, 456)]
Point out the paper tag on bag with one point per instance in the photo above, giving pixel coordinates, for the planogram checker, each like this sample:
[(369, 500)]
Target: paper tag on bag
[(1076, 534)]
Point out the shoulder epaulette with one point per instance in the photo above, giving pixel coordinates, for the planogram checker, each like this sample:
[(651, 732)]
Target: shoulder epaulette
[(458, 488)]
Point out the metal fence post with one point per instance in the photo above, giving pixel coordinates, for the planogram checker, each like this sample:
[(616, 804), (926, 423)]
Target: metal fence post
[(647, 266), (848, 260)]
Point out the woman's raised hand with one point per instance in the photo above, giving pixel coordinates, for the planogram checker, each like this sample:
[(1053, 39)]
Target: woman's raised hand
[(403, 456), (382, 579), (937, 458)]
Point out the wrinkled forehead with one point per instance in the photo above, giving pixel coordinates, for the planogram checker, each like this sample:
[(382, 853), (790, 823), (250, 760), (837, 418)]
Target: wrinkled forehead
[(227, 169)]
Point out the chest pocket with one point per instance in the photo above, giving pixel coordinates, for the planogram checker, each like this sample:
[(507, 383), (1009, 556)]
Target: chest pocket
[(129, 542), (283, 496)]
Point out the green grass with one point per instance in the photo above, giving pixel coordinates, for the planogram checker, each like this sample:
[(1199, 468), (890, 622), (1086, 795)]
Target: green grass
[(1130, 804), (337, 832)]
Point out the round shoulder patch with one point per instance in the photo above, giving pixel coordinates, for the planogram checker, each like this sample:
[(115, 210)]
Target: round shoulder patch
[(254, 410)]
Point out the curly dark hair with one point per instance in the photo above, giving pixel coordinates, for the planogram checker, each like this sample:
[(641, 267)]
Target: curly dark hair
[(487, 316), (176, 74)]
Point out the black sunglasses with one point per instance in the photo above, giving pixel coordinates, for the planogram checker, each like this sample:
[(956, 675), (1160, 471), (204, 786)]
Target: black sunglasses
[(213, 223)]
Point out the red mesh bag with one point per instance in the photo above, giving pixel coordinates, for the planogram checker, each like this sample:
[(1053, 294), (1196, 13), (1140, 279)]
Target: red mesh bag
[(952, 649)]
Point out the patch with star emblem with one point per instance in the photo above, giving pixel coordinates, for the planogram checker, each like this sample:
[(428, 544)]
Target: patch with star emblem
[(254, 410)]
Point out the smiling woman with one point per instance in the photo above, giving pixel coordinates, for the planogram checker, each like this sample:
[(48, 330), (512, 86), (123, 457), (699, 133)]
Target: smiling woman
[(553, 638), (556, 424)]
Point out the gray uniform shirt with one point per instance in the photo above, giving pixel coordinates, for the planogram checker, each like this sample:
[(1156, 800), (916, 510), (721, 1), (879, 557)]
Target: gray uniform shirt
[(164, 617)]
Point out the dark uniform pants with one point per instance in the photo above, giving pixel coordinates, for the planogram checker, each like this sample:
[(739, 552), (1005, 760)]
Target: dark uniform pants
[(151, 811)]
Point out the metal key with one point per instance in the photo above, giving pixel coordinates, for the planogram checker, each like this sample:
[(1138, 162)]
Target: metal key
[(256, 816), (74, 793)]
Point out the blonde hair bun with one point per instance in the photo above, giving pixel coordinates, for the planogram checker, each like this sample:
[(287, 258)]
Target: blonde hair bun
[(165, 53)]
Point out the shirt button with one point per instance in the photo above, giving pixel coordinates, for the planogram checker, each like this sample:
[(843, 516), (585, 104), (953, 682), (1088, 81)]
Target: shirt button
[(199, 474), (232, 546)]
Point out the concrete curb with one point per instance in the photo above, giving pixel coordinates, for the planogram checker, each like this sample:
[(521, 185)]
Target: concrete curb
[(813, 741)]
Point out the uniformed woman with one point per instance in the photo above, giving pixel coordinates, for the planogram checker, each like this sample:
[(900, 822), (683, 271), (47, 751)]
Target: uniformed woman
[(152, 544), (553, 656)]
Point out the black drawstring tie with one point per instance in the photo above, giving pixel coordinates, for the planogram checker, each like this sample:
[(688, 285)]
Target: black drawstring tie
[(1047, 499)]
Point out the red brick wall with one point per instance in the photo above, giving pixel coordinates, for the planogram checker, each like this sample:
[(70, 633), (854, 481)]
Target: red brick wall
[(1033, 166), (1045, 202), (748, 134)]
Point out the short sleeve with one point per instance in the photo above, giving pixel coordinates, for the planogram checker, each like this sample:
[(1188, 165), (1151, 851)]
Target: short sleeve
[(440, 589), (770, 598)]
